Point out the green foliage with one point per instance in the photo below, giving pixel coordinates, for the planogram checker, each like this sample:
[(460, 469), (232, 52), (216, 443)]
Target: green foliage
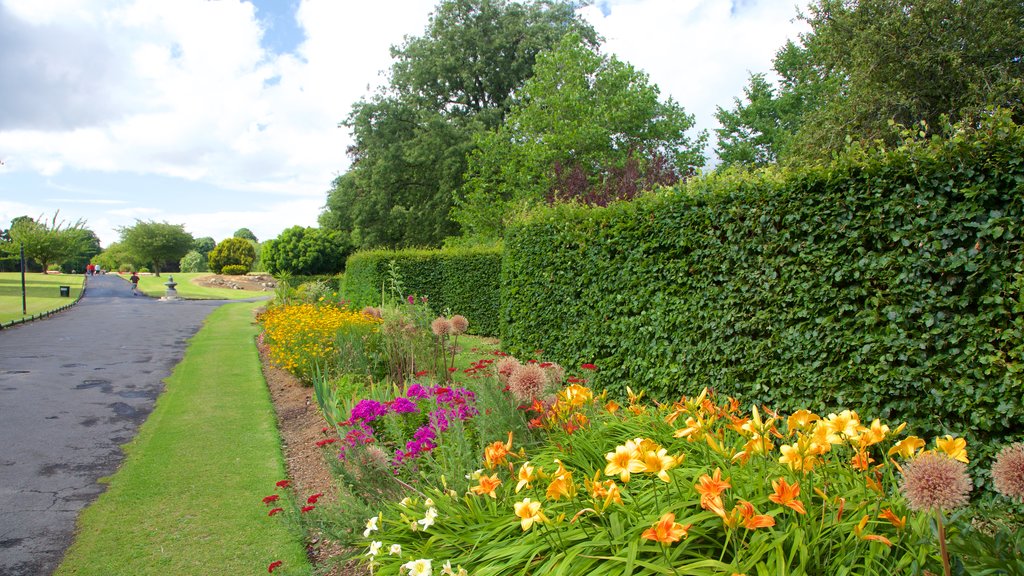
[(246, 234), (462, 280), (52, 242), (889, 282), (204, 245), (116, 257), (411, 139), (193, 262), (306, 251), (867, 62), (156, 243), (581, 111), (234, 270), (82, 250), (235, 251)]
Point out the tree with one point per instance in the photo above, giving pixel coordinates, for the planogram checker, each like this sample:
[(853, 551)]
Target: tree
[(412, 139), (156, 242), (88, 245), (193, 261), (306, 251), (868, 63), (232, 251), (246, 234), (117, 257), (587, 127), (204, 245), (46, 242)]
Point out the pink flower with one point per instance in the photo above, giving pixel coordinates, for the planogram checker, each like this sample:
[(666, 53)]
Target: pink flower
[(933, 481), (1008, 471)]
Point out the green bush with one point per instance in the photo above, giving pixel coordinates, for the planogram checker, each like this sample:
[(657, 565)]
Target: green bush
[(234, 270), (462, 280), (193, 262), (237, 252), (888, 282)]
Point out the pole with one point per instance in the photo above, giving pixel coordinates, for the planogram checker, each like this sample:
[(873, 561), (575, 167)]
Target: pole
[(24, 306)]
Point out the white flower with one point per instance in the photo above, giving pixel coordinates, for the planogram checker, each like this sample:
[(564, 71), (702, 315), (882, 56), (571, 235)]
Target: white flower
[(428, 520), (447, 568), (371, 526), (419, 567), (374, 548), (414, 526), (428, 502), (395, 550), (406, 501)]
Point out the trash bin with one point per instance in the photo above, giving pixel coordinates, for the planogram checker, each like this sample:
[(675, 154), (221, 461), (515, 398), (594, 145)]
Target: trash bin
[(65, 291)]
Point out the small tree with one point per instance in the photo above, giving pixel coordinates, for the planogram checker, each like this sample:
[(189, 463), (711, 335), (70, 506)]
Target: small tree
[(156, 242), (47, 242), (306, 251), (245, 233), (204, 245), (233, 251), (193, 262)]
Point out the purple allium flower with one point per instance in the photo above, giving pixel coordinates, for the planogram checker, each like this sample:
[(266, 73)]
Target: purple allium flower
[(933, 481)]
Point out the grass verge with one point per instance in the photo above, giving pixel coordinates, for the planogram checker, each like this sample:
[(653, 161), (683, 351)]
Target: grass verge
[(188, 289), (187, 497), (42, 293)]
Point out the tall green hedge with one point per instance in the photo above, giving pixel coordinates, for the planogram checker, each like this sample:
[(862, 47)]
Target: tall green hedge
[(889, 282), (464, 280)]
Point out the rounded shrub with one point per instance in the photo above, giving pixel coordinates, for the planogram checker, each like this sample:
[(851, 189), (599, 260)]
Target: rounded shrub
[(232, 252), (234, 270)]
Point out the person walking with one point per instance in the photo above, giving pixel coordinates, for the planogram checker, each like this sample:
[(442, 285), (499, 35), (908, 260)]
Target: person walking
[(134, 279)]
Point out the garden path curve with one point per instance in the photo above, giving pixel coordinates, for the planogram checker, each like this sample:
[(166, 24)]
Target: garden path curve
[(73, 388)]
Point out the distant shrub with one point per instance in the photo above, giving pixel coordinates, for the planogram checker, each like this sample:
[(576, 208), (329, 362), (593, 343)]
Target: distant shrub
[(234, 270), (193, 262), (232, 252)]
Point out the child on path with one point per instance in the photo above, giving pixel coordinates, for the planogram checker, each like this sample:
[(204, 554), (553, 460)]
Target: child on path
[(134, 279)]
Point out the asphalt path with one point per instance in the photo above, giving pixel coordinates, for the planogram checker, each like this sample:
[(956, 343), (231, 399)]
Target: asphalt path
[(73, 388)]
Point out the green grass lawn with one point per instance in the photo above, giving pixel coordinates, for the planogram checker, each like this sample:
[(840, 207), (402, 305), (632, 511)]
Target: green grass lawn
[(187, 288), (42, 293), (187, 499)]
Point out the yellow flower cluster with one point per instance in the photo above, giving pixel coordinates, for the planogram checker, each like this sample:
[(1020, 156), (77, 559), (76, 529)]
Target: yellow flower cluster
[(299, 335)]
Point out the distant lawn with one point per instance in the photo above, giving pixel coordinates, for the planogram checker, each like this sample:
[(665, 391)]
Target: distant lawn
[(187, 499), (42, 293), (187, 288)]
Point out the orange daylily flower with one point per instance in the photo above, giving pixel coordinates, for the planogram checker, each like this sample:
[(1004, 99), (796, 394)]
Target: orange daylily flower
[(874, 434), (862, 461), (801, 455), (606, 490), (955, 448), (659, 463), (710, 489), (859, 531), (846, 423), (800, 420), (562, 485), (529, 513), (751, 519), (906, 447), (487, 485), (623, 461), (612, 406), (787, 495), (899, 522), (526, 475), (667, 530), (496, 453)]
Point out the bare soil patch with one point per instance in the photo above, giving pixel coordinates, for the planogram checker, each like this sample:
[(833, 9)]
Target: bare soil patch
[(301, 427), (252, 282)]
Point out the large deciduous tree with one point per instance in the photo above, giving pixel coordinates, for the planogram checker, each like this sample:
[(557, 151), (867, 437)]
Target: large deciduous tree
[(868, 63), (47, 242), (156, 242), (587, 127), (411, 140)]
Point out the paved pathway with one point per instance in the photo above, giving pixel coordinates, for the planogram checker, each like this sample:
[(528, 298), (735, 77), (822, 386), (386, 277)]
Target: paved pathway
[(73, 389)]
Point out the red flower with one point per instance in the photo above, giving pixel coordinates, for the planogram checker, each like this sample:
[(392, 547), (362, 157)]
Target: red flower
[(312, 499), (275, 511), (307, 508), (273, 566), (420, 373), (283, 483), (575, 380), (324, 429), (452, 369), (326, 441), (271, 498), (546, 364), (588, 366)]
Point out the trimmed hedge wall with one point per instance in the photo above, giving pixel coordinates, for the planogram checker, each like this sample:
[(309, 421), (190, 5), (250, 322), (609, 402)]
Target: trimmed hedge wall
[(464, 280), (889, 282)]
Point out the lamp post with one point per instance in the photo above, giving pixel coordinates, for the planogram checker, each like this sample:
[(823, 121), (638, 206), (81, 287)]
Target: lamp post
[(24, 306)]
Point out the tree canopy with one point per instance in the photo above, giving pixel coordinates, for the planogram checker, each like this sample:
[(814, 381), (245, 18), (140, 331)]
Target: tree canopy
[(868, 63), (48, 242), (157, 243), (588, 127), (306, 251), (246, 234), (411, 139), (237, 251)]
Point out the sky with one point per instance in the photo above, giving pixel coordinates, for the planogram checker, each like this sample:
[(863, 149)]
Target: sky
[(223, 114)]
